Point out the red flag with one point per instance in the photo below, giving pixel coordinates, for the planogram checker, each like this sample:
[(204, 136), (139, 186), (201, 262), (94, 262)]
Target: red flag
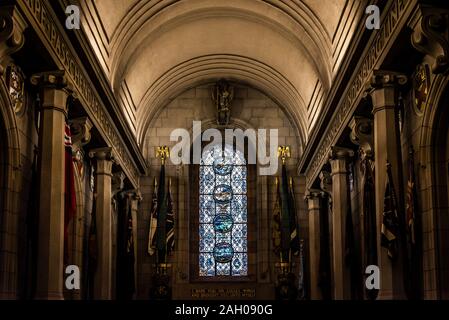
[(69, 192)]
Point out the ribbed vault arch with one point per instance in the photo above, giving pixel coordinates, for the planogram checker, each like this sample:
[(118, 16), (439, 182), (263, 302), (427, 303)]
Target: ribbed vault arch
[(207, 69)]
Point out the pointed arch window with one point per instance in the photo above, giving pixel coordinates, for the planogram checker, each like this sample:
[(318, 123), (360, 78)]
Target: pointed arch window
[(223, 213)]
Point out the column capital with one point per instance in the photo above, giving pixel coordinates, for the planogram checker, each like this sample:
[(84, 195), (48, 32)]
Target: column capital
[(105, 153), (340, 153), (382, 87), (338, 158), (362, 135), (313, 194), (430, 35), (12, 26), (50, 79), (133, 194), (381, 79)]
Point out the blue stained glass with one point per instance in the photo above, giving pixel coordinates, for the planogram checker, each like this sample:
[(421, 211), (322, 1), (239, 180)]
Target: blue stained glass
[(221, 168), (223, 252), (238, 179), (239, 264), (207, 238), (223, 269), (207, 208), (207, 264), (238, 208), (223, 213), (223, 223), (223, 193), (222, 180), (223, 208)]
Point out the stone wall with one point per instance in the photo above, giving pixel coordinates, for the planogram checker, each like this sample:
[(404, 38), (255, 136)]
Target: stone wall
[(250, 109)]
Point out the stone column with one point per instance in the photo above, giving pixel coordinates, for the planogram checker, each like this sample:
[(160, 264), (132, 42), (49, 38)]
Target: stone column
[(313, 198), (103, 275), (50, 264), (386, 147), (340, 203)]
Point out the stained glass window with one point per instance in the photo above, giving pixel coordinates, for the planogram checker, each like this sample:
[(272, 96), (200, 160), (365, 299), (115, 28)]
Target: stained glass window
[(223, 239)]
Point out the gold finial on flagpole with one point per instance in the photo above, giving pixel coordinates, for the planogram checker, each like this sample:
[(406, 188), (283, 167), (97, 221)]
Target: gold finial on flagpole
[(163, 152), (284, 153)]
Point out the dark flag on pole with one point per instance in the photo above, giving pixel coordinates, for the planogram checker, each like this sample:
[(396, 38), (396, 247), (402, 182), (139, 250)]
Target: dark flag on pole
[(130, 257), (92, 242), (301, 275), (390, 217), (170, 221), (294, 236), (161, 229), (153, 221), (69, 192), (276, 227), (285, 216), (412, 223)]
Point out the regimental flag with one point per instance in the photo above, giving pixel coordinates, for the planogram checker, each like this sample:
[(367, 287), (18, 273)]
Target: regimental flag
[(390, 219), (294, 236), (301, 276), (352, 259), (161, 229), (130, 257), (276, 228), (369, 221), (170, 221), (153, 221), (285, 216), (413, 282), (92, 245), (69, 192), (411, 200)]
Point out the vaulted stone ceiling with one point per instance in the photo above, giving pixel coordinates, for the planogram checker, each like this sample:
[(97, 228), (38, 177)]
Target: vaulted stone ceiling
[(153, 50)]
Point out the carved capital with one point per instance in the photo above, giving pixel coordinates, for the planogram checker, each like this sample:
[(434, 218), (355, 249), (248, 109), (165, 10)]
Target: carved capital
[(362, 135), (134, 194), (51, 79), (431, 35), (313, 197), (381, 79), (326, 182), (339, 153), (12, 25), (102, 153), (80, 129), (383, 87)]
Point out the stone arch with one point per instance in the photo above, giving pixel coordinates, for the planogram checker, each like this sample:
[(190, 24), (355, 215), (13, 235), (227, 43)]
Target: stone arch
[(9, 184), (433, 155)]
